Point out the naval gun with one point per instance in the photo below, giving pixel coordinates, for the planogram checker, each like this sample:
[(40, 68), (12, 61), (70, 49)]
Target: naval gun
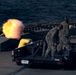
[(33, 53)]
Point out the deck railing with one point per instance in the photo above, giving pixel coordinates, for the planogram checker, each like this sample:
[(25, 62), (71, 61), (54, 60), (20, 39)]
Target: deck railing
[(44, 26)]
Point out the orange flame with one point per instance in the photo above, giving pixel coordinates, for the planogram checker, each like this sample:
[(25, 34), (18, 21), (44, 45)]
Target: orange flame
[(13, 28)]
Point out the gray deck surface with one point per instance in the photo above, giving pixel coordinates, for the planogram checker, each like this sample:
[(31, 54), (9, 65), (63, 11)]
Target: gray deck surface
[(2, 39), (7, 67), (6, 64)]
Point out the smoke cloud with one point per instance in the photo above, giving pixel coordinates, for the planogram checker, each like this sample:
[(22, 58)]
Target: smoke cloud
[(13, 28)]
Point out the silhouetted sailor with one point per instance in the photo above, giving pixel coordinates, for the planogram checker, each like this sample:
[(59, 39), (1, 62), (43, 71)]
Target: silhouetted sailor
[(64, 40), (51, 39)]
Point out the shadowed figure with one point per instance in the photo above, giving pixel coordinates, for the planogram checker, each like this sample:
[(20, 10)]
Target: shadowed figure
[(51, 39), (64, 40)]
